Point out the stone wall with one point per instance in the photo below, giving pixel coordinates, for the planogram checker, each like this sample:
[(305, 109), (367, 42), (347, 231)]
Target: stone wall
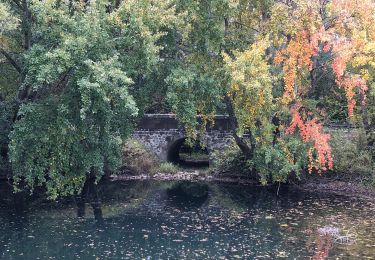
[(163, 134), (158, 141), (345, 133), (165, 142)]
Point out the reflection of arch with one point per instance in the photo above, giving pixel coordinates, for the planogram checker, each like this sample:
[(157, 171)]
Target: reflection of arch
[(187, 195), (178, 146)]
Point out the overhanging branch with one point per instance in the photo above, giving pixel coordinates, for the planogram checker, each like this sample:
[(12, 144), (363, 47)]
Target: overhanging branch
[(12, 61)]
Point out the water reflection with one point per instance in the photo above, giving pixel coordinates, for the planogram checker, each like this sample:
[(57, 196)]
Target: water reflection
[(90, 196), (187, 195), (323, 246), (181, 220)]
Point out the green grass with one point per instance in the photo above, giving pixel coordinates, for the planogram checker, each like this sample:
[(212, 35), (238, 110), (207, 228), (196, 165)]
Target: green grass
[(167, 167)]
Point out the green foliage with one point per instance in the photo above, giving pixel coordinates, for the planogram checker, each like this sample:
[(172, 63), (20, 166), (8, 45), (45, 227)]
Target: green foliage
[(230, 161), (8, 21), (275, 163), (167, 167), (80, 75), (271, 162), (7, 113), (193, 90), (194, 156), (75, 75), (251, 87), (198, 82)]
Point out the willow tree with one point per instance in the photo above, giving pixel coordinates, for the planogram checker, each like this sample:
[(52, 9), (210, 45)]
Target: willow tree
[(77, 68)]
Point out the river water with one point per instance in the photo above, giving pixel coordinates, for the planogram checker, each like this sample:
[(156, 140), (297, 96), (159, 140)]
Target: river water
[(184, 220)]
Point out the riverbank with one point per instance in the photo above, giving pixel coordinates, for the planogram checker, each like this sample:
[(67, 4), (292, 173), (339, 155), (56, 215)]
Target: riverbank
[(193, 176), (349, 189), (319, 185), (322, 185)]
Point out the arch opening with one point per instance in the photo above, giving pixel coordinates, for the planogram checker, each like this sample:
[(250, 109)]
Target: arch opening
[(186, 156)]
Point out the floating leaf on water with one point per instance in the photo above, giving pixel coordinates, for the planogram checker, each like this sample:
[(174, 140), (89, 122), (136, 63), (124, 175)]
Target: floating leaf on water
[(284, 225), (282, 254)]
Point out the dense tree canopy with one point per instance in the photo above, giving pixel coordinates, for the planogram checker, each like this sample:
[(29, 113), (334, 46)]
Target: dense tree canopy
[(294, 53), (75, 99), (74, 75)]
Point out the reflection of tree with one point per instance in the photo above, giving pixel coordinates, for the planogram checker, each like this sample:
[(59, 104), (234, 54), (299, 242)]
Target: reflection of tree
[(323, 246), (111, 198), (16, 218), (90, 195), (236, 199)]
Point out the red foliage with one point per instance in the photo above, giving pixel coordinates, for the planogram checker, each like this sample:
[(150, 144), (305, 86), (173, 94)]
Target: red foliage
[(350, 84), (311, 131)]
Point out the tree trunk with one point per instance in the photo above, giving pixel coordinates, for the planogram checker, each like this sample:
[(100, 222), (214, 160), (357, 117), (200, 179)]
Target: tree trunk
[(26, 22), (314, 79), (248, 151)]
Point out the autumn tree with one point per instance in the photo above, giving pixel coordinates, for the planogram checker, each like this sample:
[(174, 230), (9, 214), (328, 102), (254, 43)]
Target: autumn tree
[(271, 77), (344, 30)]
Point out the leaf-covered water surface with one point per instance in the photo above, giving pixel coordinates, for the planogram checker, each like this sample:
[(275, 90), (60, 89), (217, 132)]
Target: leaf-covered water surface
[(183, 220)]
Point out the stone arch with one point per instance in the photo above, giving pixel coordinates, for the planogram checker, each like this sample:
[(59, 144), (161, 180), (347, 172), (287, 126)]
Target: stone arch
[(166, 143), (177, 146), (173, 149)]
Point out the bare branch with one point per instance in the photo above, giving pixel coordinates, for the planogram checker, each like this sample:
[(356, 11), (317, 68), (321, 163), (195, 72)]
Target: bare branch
[(18, 4)]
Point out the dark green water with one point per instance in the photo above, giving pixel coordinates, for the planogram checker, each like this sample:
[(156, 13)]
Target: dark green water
[(158, 220)]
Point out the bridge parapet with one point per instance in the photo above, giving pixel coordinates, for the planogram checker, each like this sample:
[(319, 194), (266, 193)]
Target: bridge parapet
[(170, 121)]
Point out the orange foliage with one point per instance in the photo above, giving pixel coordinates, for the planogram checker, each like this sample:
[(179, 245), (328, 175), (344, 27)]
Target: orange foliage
[(342, 38), (295, 56), (311, 131), (352, 17), (343, 53)]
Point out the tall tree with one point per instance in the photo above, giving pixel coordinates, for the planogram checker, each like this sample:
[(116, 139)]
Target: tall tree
[(79, 66)]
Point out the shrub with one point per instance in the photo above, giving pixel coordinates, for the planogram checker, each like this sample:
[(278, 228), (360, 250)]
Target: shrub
[(351, 158), (229, 161), (137, 159), (167, 167)]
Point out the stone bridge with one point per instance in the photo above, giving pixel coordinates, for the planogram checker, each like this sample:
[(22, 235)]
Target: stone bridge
[(164, 135)]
